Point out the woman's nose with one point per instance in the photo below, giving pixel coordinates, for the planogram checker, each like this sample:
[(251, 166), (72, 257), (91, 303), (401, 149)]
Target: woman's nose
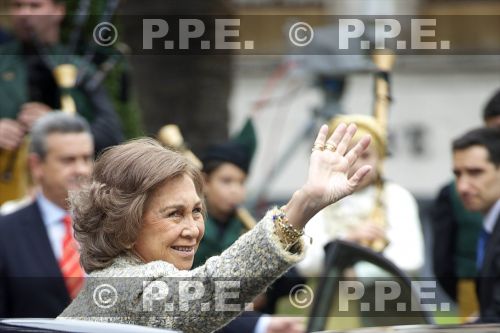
[(190, 229)]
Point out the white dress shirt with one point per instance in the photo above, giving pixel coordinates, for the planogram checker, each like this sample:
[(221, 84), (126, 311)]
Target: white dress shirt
[(490, 219), (52, 216)]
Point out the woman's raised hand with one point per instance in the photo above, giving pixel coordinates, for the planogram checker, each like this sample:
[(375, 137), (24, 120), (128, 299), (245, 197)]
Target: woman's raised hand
[(331, 175)]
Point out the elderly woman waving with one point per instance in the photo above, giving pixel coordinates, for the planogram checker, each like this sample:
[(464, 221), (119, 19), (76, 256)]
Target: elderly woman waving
[(140, 221)]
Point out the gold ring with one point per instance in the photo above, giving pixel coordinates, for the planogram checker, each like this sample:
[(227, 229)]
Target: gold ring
[(331, 146), (318, 146)]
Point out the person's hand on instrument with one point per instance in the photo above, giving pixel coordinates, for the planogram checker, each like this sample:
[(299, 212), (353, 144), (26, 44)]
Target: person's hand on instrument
[(11, 134), (31, 112), (366, 233)]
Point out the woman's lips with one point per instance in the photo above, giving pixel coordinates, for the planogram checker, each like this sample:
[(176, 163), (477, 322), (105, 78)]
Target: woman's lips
[(184, 250)]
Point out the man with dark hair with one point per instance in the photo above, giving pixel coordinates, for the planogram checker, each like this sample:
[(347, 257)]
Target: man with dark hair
[(39, 262), (476, 165), (29, 88), (456, 231), (491, 112)]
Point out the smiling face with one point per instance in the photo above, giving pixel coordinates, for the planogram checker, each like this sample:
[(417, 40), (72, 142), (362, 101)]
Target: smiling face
[(172, 224), (66, 166), (477, 178)]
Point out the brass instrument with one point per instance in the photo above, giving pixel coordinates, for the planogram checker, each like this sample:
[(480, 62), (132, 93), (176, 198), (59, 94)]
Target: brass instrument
[(245, 217), (65, 76), (378, 216), (170, 135), (14, 180), (384, 63)]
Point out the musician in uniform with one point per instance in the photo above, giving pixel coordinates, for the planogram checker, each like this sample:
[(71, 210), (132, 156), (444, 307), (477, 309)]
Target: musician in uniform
[(225, 167), (381, 215), (33, 82)]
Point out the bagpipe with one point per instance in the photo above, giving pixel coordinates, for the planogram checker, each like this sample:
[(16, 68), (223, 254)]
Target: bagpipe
[(14, 179)]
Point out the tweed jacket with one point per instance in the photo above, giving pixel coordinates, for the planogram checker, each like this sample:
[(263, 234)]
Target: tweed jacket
[(138, 295)]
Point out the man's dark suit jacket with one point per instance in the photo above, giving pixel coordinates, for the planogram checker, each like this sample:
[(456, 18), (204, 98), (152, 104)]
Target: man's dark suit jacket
[(244, 323), (31, 284), (488, 284)]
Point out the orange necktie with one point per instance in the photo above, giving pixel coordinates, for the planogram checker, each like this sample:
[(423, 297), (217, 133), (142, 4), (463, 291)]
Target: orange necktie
[(71, 270)]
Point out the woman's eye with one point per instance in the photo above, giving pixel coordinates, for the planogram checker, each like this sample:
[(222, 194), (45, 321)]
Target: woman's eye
[(197, 210), (174, 214)]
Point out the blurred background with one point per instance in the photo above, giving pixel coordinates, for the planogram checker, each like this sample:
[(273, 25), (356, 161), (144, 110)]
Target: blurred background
[(434, 97)]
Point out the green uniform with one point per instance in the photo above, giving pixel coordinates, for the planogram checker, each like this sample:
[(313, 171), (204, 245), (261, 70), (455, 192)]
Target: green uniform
[(14, 88), (218, 237), (25, 77)]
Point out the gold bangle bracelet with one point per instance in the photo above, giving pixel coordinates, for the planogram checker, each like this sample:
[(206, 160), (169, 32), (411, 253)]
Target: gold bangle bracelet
[(287, 233)]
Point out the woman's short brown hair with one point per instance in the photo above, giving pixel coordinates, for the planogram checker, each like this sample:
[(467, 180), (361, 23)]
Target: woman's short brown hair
[(108, 213)]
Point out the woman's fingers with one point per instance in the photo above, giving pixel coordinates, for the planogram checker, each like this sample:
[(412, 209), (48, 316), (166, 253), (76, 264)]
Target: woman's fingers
[(359, 175), (346, 139), (337, 136), (358, 149), (319, 143)]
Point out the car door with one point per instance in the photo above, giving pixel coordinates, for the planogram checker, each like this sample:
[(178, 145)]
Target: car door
[(367, 289)]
